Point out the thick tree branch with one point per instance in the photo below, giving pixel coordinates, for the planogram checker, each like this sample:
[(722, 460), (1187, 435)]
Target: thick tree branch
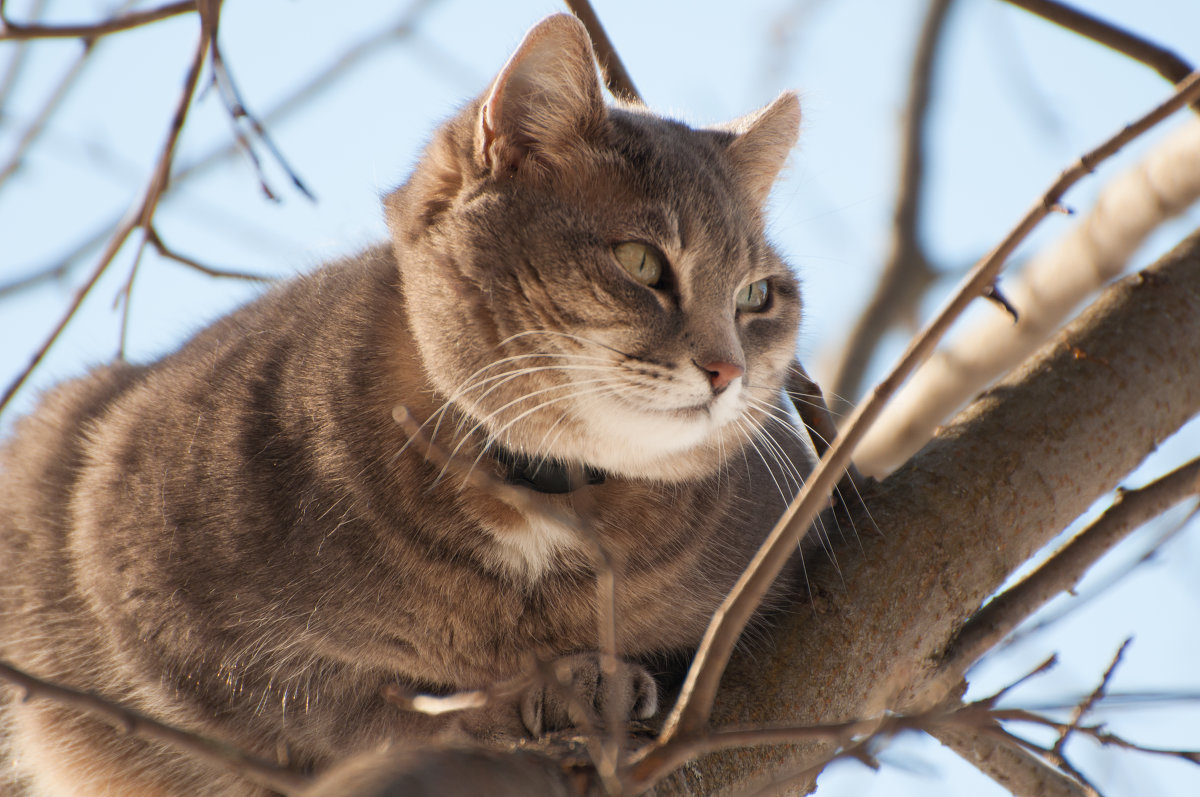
[(691, 712), (1064, 570), (1049, 287), (969, 509)]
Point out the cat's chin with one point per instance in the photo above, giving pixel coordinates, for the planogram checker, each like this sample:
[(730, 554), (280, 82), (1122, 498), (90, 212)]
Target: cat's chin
[(657, 444)]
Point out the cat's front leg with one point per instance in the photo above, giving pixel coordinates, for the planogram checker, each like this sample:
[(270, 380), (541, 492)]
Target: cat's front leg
[(578, 693)]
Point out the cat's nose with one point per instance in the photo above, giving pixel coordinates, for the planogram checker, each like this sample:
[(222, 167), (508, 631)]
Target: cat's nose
[(720, 374)]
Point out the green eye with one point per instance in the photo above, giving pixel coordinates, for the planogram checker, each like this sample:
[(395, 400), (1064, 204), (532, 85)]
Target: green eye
[(642, 261), (754, 297)]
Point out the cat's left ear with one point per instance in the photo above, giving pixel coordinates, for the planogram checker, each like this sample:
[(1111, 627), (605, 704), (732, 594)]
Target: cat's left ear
[(545, 102), (762, 143)]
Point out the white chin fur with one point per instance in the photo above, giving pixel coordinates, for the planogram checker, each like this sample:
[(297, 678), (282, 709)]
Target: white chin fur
[(622, 440)]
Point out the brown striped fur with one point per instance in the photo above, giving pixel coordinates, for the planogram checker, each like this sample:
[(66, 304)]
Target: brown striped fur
[(237, 539)]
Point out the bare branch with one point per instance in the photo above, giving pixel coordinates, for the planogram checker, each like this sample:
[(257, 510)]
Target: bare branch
[(19, 53), (256, 769), (238, 113), (1022, 773), (1099, 587), (10, 30), (1047, 289), (907, 273), (1161, 60), (1065, 568), (154, 240), (692, 711), (403, 29), (976, 503), (615, 77), (1084, 707), (140, 214), (38, 123)]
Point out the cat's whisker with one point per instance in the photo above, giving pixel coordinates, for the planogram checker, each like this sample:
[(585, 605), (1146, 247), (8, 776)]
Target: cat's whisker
[(819, 529), (603, 389), (786, 424), (751, 435), (481, 422), (569, 336), (500, 380), (781, 456), (473, 379), (470, 382)]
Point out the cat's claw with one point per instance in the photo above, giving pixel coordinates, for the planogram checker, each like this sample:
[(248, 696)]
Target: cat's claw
[(580, 695)]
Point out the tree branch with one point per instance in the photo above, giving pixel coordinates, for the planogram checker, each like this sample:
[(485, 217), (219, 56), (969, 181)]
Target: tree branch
[(141, 214), (259, 770), (1022, 773), (15, 31), (1161, 60), (1047, 289), (969, 509), (907, 273), (615, 77), (1065, 568), (691, 712)]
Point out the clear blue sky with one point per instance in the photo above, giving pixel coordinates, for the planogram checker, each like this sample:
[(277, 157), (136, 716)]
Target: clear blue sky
[(1017, 100)]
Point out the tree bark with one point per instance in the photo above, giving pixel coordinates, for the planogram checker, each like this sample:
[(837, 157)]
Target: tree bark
[(1016, 467)]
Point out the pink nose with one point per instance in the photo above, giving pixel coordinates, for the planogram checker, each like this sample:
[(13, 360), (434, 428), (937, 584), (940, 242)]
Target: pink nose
[(721, 374)]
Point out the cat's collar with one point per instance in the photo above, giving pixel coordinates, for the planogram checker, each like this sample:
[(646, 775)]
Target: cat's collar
[(545, 475)]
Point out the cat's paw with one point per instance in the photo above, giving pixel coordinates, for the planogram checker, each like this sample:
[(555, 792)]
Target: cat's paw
[(581, 693)]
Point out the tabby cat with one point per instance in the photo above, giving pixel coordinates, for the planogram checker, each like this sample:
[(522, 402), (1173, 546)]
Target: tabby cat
[(241, 539)]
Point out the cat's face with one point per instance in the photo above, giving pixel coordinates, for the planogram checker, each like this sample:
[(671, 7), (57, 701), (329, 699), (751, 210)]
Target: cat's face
[(592, 284)]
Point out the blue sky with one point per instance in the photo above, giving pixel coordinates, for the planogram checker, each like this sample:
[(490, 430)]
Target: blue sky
[(1017, 99)]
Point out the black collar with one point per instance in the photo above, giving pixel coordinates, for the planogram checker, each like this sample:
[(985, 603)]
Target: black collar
[(545, 475)]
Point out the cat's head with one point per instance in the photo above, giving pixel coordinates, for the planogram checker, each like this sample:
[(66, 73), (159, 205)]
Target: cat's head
[(592, 283)]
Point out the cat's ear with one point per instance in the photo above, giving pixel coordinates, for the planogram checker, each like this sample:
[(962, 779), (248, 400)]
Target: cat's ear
[(545, 102), (762, 142)]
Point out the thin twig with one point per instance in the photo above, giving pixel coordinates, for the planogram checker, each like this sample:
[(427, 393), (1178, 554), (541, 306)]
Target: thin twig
[(907, 273), (694, 706), (38, 123), (259, 770), (1084, 707), (1160, 59), (154, 240), (324, 79), (615, 77), (1045, 667), (238, 112), (124, 297), (10, 30), (20, 51), (139, 215), (1065, 568)]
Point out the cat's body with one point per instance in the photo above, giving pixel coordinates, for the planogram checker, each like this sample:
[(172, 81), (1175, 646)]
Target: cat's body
[(240, 540)]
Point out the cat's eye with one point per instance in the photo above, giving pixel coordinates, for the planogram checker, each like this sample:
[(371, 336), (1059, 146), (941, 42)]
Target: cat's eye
[(754, 297), (644, 262)]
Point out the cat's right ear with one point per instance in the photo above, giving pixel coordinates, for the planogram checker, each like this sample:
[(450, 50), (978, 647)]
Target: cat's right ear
[(544, 104)]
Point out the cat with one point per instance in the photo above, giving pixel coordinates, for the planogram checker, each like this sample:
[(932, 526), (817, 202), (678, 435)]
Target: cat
[(577, 301)]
